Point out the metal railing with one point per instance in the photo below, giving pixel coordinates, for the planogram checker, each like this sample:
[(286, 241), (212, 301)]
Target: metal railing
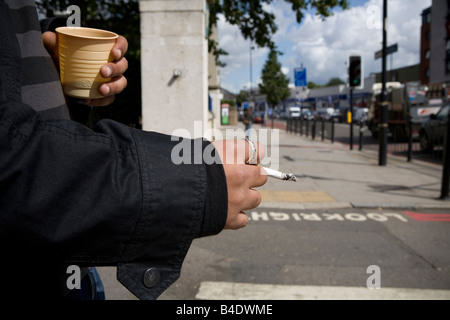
[(311, 128), (433, 145)]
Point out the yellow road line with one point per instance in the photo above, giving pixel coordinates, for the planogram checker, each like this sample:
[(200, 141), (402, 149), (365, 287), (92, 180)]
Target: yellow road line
[(295, 196)]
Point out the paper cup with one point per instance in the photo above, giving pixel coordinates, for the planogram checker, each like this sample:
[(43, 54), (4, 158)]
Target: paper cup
[(82, 52)]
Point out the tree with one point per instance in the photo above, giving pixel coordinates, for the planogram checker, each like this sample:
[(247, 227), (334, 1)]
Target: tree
[(275, 85), (331, 82), (313, 85), (334, 82)]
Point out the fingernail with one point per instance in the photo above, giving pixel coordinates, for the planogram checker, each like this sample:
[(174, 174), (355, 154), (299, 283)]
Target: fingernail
[(106, 90), (118, 53), (107, 71)]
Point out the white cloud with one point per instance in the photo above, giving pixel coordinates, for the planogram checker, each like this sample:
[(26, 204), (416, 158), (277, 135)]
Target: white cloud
[(238, 58), (323, 46)]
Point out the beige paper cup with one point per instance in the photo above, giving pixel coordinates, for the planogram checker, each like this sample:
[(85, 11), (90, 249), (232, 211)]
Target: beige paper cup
[(82, 52)]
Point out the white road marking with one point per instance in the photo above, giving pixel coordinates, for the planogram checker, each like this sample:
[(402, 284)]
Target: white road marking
[(325, 216), (211, 290)]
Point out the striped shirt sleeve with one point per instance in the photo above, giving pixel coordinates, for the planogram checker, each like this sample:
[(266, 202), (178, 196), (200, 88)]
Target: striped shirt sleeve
[(41, 88)]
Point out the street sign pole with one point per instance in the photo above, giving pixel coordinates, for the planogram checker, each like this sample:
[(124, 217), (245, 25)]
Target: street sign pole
[(383, 125), (355, 80), (351, 118)]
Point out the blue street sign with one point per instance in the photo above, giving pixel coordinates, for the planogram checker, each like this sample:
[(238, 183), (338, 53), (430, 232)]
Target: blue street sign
[(300, 77)]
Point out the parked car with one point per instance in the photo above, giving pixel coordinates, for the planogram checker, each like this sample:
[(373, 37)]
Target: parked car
[(307, 114), (257, 117), (360, 115), (420, 114), (342, 114), (324, 114), (335, 115), (434, 130)]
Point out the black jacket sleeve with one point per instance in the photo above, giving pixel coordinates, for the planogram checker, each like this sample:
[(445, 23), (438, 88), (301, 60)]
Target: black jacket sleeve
[(112, 196)]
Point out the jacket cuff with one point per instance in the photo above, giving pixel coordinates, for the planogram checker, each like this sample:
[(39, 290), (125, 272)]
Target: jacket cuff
[(179, 203), (216, 204)]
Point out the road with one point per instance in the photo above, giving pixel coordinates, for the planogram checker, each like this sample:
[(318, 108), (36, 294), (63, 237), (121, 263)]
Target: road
[(308, 254)]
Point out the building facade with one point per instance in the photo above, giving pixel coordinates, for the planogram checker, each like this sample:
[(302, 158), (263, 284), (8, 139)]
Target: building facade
[(435, 44)]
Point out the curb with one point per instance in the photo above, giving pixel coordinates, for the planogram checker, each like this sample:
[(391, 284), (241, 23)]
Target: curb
[(398, 206), (305, 205), (348, 205)]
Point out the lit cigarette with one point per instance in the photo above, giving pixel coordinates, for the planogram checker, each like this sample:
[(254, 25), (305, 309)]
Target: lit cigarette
[(280, 175)]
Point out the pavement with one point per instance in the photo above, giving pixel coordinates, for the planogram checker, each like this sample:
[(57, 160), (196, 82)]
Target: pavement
[(330, 175)]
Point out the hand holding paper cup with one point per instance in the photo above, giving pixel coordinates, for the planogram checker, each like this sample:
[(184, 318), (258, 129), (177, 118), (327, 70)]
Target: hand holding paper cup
[(82, 52)]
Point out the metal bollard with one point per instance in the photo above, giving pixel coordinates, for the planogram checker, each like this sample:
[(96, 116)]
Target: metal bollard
[(446, 165), (313, 134), (410, 139), (332, 132), (323, 129), (307, 127), (361, 134), (301, 126)]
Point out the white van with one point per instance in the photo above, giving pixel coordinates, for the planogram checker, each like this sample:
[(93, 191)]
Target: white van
[(294, 112)]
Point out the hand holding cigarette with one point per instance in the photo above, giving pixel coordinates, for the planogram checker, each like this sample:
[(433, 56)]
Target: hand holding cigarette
[(241, 178)]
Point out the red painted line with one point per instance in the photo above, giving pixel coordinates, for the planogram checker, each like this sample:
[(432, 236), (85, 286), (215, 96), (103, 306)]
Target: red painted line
[(428, 216)]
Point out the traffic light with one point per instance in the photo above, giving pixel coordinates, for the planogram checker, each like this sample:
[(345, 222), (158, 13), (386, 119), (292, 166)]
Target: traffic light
[(355, 71)]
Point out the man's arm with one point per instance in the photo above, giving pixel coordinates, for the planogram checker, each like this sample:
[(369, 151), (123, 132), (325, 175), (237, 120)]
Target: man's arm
[(113, 196)]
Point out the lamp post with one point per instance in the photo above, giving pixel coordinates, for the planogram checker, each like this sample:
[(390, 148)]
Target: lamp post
[(383, 125), (251, 73)]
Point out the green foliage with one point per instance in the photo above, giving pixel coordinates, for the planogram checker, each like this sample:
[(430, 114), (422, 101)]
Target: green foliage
[(232, 103), (334, 82), (275, 85), (312, 85), (331, 82)]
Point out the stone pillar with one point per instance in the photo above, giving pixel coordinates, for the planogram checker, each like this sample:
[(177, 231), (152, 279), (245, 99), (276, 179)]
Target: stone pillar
[(174, 58)]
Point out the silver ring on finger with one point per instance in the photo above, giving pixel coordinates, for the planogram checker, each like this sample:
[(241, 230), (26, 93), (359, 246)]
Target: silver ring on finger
[(253, 158)]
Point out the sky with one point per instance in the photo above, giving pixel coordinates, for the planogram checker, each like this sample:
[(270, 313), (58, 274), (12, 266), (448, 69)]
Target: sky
[(323, 46)]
